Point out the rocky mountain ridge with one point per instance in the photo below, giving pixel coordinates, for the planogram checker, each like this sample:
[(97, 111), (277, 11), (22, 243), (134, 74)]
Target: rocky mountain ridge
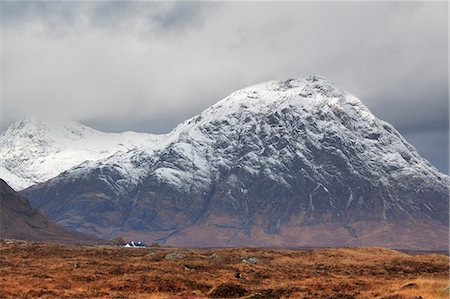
[(297, 162), (33, 151)]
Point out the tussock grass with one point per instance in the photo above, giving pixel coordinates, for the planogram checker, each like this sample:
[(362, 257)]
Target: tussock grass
[(56, 271)]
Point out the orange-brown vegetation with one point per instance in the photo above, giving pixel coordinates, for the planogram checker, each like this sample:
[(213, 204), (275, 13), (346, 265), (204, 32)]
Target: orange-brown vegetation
[(30, 270)]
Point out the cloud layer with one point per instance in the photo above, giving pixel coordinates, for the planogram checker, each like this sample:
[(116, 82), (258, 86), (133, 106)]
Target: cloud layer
[(147, 66)]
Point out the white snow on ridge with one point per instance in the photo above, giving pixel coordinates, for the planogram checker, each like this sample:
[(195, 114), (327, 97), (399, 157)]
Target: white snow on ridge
[(33, 151)]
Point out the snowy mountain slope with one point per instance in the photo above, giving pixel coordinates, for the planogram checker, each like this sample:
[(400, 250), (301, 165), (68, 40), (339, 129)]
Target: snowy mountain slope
[(33, 151), (291, 105), (279, 161)]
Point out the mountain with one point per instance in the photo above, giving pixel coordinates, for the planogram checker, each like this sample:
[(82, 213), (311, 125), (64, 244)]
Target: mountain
[(19, 220), (297, 162), (33, 151)]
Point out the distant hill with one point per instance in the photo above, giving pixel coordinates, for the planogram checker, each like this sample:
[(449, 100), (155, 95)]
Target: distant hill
[(19, 220)]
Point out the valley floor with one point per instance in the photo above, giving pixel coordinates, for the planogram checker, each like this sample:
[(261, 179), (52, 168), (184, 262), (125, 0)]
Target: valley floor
[(30, 270)]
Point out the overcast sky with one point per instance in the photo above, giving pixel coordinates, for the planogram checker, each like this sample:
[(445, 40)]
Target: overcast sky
[(146, 66)]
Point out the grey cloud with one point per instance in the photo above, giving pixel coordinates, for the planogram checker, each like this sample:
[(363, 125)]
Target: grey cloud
[(179, 15), (112, 14), (414, 107), (15, 14), (109, 15), (433, 145)]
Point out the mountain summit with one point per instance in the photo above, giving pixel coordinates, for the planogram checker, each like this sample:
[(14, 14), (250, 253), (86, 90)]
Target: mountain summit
[(297, 162)]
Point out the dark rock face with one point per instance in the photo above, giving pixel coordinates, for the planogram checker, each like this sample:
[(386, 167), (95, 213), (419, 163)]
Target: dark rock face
[(269, 162), (19, 220)]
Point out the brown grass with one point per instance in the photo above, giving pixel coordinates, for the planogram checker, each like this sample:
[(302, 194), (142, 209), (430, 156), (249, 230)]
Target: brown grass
[(31, 270)]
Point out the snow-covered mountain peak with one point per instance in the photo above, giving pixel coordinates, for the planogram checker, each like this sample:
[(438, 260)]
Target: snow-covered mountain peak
[(33, 151), (35, 129), (276, 122), (309, 87), (265, 124), (313, 98), (271, 159), (310, 94)]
